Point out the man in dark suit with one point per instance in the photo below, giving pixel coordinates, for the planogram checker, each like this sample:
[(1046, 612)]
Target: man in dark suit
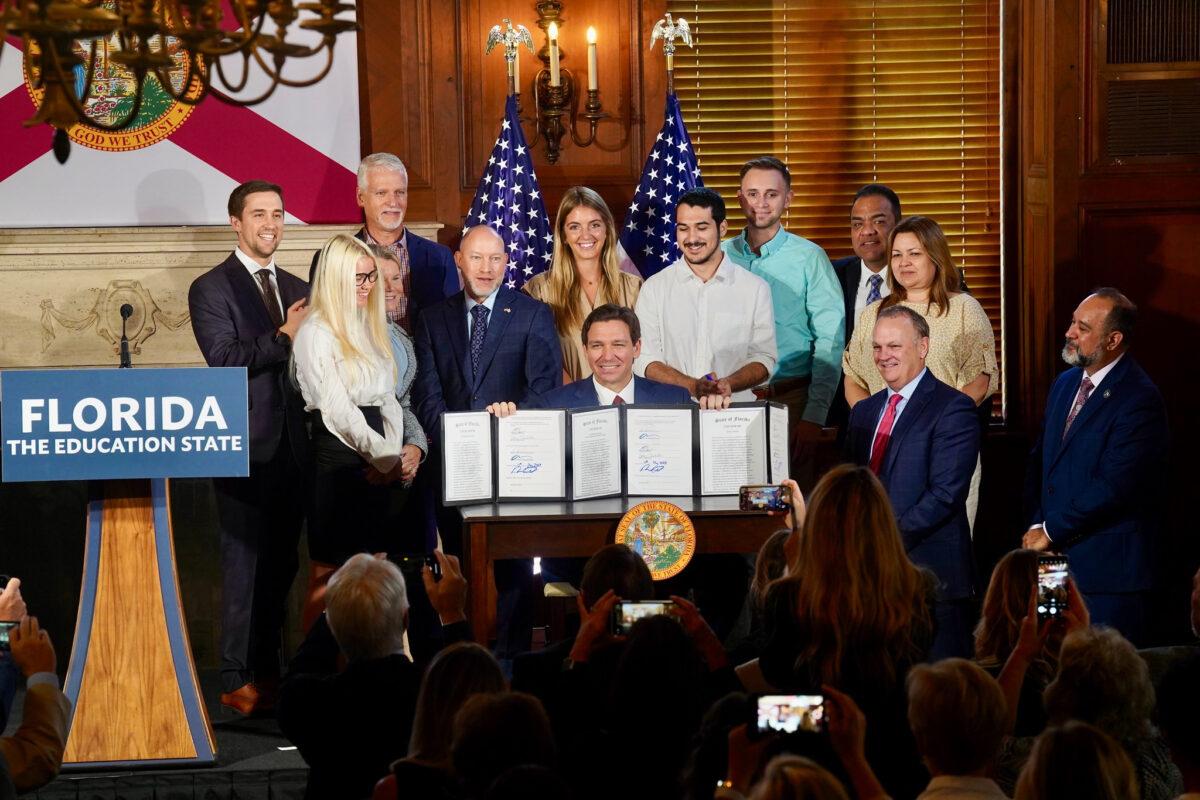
[(863, 276), (483, 345), (921, 438), (245, 313), (427, 268), (1095, 471)]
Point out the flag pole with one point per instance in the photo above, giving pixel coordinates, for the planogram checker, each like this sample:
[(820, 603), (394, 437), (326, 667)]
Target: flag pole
[(512, 37)]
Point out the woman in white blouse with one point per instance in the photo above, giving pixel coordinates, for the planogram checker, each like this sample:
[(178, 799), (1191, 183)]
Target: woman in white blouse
[(345, 372)]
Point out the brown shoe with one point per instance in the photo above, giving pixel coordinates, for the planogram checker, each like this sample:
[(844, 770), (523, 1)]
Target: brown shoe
[(246, 701)]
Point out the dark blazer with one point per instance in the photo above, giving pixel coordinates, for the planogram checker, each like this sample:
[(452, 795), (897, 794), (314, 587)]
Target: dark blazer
[(432, 271), (582, 394), (1097, 491), (520, 362), (848, 271), (351, 725), (232, 328), (927, 470)]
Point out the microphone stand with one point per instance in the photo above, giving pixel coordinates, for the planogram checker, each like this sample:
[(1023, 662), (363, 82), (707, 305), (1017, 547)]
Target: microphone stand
[(126, 313)]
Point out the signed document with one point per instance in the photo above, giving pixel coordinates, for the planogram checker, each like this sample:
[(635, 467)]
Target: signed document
[(467, 457), (531, 455), (777, 436), (733, 449), (596, 453), (658, 445)]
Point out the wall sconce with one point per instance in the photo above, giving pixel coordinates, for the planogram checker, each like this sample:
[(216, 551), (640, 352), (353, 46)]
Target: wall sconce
[(555, 89)]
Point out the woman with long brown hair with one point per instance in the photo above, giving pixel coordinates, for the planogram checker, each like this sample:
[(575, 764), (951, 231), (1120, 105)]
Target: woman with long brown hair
[(584, 273), (854, 613)]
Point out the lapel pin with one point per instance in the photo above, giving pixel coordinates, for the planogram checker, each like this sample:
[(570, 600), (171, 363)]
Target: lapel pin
[(507, 310), (1107, 394)]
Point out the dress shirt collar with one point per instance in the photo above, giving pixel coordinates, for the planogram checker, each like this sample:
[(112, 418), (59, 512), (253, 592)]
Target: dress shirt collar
[(1101, 373), (865, 274), (724, 273), (605, 396), (769, 248), (906, 391), (402, 242), (488, 301), (252, 265)]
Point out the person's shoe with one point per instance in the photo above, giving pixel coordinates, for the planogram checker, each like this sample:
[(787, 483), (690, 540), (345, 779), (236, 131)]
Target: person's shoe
[(246, 700)]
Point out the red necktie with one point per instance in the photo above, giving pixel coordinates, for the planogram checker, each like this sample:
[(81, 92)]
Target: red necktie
[(884, 433), (618, 401)]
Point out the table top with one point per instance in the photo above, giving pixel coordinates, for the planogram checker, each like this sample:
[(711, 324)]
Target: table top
[(601, 508)]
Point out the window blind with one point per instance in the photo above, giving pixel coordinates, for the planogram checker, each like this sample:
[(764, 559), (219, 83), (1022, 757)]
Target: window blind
[(849, 92)]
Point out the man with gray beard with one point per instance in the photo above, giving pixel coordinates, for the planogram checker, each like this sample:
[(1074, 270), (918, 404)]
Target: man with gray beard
[(1094, 476)]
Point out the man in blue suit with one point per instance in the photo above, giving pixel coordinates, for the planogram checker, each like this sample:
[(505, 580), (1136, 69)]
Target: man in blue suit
[(426, 268), (1094, 473), (921, 437), (485, 344), (245, 313)]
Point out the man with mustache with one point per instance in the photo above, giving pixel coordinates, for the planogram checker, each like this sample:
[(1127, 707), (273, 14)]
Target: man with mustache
[(921, 438), (1095, 471)]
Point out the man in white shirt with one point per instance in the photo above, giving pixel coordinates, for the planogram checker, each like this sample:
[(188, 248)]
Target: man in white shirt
[(707, 325)]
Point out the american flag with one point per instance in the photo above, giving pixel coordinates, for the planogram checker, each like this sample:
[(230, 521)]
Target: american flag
[(648, 237), (509, 200)]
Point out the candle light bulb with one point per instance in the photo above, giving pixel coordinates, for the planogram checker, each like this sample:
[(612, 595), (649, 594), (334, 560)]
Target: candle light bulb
[(591, 34), (553, 30)]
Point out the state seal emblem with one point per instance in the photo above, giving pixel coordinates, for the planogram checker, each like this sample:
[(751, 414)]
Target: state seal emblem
[(662, 534), (113, 93)]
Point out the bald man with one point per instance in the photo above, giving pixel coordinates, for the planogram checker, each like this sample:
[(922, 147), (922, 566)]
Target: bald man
[(486, 344)]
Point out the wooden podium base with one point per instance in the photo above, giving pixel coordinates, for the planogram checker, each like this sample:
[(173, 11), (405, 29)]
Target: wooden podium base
[(131, 681)]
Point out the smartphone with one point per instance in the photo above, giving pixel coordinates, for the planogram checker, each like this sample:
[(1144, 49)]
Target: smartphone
[(5, 627), (411, 563), (764, 498), (788, 713), (1052, 587), (627, 612)]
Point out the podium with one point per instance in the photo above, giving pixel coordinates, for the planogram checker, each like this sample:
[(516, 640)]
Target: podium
[(132, 682)]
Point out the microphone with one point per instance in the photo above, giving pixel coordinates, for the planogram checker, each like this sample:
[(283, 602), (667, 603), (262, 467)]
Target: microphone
[(126, 313)]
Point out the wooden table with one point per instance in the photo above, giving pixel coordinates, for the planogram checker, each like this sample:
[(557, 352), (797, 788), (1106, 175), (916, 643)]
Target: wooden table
[(494, 531)]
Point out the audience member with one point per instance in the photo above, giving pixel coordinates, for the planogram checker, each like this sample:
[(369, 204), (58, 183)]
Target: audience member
[(958, 716), (706, 325), (1179, 718), (808, 309), (529, 782), (584, 274), (495, 732), (962, 345), (1077, 760), (855, 613), (246, 312), (485, 345), (1096, 473), (708, 761), (345, 372), (351, 725), (32, 756), (12, 609), (921, 438), (1102, 681), (789, 777), (1005, 606), (455, 674)]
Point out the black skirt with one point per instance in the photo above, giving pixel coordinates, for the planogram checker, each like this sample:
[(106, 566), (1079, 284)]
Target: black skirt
[(347, 515)]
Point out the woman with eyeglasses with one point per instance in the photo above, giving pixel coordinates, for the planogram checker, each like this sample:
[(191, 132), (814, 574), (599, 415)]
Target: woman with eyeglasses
[(345, 372)]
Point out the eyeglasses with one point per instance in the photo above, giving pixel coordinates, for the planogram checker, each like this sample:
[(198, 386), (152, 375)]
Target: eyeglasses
[(361, 278)]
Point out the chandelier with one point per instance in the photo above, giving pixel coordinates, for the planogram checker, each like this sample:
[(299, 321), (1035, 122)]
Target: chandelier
[(186, 48)]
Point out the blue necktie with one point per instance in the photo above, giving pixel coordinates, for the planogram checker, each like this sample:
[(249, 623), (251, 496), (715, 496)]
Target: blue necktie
[(873, 288), (479, 315)]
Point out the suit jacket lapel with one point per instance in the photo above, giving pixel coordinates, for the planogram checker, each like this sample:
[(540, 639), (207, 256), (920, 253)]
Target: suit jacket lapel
[(871, 409), (246, 292), (1095, 402), (908, 418), (497, 323), (454, 322), (850, 289)]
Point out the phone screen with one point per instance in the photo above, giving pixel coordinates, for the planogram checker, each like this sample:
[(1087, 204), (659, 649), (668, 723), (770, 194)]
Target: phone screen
[(764, 498), (625, 613), (1052, 587), (5, 627), (790, 713)]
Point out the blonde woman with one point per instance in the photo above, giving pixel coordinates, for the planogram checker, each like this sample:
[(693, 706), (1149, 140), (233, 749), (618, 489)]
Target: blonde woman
[(583, 274), (345, 372)]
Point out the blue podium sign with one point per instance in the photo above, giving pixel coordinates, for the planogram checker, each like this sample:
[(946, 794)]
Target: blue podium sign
[(61, 425)]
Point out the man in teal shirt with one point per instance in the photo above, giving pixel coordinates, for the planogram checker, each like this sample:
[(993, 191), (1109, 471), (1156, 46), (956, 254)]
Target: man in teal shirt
[(807, 300)]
